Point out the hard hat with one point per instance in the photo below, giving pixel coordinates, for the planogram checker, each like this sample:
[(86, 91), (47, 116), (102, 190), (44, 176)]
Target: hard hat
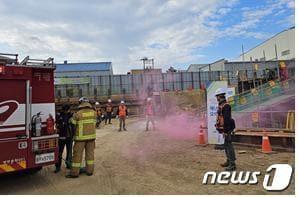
[(149, 99), (96, 103), (109, 100), (122, 102), (83, 99), (220, 91)]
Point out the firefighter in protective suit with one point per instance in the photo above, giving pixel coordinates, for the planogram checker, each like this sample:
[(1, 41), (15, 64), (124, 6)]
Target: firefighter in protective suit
[(85, 134), (225, 125)]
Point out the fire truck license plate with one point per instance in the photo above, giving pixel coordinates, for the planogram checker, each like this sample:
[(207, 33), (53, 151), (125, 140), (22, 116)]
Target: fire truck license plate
[(44, 158)]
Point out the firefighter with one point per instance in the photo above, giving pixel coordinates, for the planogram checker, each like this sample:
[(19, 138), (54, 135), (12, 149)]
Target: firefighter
[(85, 134), (109, 110), (98, 114), (122, 115), (149, 114), (66, 133), (225, 125)]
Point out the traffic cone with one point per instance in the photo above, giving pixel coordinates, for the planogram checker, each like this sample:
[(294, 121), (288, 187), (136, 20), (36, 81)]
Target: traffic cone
[(201, 137), (266, 146)]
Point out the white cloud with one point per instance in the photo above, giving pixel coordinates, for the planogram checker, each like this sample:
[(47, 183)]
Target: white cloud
[(121, 31), (252, 18)]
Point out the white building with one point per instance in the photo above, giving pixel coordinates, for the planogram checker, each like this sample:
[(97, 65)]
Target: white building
[(279, 47)]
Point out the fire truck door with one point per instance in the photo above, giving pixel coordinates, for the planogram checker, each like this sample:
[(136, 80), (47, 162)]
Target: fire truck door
[(14, 125)]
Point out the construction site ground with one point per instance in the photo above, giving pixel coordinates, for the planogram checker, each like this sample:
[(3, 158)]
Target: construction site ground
[(139, 162)]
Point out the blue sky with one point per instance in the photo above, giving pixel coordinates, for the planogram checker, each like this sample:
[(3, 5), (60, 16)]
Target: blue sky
[(174, 33)]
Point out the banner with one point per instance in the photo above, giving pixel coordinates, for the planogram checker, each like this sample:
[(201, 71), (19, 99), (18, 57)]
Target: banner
[(212, 106), (66, 81)]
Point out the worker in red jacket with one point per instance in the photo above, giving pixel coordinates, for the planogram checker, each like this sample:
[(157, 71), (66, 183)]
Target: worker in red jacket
[(149, 113), (122, 115)]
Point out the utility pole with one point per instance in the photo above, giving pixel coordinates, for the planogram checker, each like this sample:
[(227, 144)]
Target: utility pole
[(242, 53), (275, 47)]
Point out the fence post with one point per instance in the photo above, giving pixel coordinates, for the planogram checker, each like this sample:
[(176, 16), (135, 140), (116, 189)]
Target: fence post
[(121, 87), (163, 82), (110, 86), (132, 84), (192, 82), (173, 84), (200, 83), (181, 79)]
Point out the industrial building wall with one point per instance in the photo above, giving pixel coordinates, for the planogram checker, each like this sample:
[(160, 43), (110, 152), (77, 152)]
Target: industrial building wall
[(82, 73), (137, 84), (285, 48)]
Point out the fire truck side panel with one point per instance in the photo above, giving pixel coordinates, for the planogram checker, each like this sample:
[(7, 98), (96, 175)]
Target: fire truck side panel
[(13, 142), (12, 108), (43, 99), (13, 155), (23, 150)]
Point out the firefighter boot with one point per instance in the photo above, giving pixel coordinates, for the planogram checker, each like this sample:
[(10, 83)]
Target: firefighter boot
[(71, 176), (226, 164), (231, 167)]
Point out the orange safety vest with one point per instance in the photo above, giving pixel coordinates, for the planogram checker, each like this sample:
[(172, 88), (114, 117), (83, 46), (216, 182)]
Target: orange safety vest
[(220, 118), (122, 111)]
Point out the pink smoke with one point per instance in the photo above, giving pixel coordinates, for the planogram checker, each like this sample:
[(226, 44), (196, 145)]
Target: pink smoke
[(182, 126)]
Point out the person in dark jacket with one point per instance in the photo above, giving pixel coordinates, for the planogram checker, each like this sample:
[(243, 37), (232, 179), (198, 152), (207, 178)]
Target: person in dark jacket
[(66, 132), (109, 111), (225, 125), (97, 108)]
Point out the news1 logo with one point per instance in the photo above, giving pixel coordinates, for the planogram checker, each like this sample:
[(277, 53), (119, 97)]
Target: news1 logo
[(279, 181)]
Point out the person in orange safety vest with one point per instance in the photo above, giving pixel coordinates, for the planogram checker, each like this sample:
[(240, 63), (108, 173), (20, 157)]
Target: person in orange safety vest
[(122, 115)]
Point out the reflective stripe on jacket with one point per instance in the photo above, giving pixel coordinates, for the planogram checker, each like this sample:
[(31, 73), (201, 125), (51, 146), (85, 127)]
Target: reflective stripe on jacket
[(84, 120)]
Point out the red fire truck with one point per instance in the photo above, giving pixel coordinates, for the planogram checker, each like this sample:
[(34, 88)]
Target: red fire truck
[(28, 139)]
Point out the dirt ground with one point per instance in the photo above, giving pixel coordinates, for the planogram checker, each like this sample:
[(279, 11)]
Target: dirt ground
[(139, 162)]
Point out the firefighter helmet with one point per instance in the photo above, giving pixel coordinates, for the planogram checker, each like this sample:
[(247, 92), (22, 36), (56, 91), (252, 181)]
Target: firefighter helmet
[(220, 91), (96, 103), (122, 102), (83, 100), (109, 100)]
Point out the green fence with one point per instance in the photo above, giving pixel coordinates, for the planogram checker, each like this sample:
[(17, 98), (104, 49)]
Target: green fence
[(262, 94)]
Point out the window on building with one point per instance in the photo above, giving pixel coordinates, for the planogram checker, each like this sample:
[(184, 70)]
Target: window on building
[(286, 52)]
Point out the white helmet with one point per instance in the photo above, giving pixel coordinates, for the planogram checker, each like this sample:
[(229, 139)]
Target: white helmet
[(149, 99), (96, 103), (109, 100), (220, 91), (122, 102), (83, 99)]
